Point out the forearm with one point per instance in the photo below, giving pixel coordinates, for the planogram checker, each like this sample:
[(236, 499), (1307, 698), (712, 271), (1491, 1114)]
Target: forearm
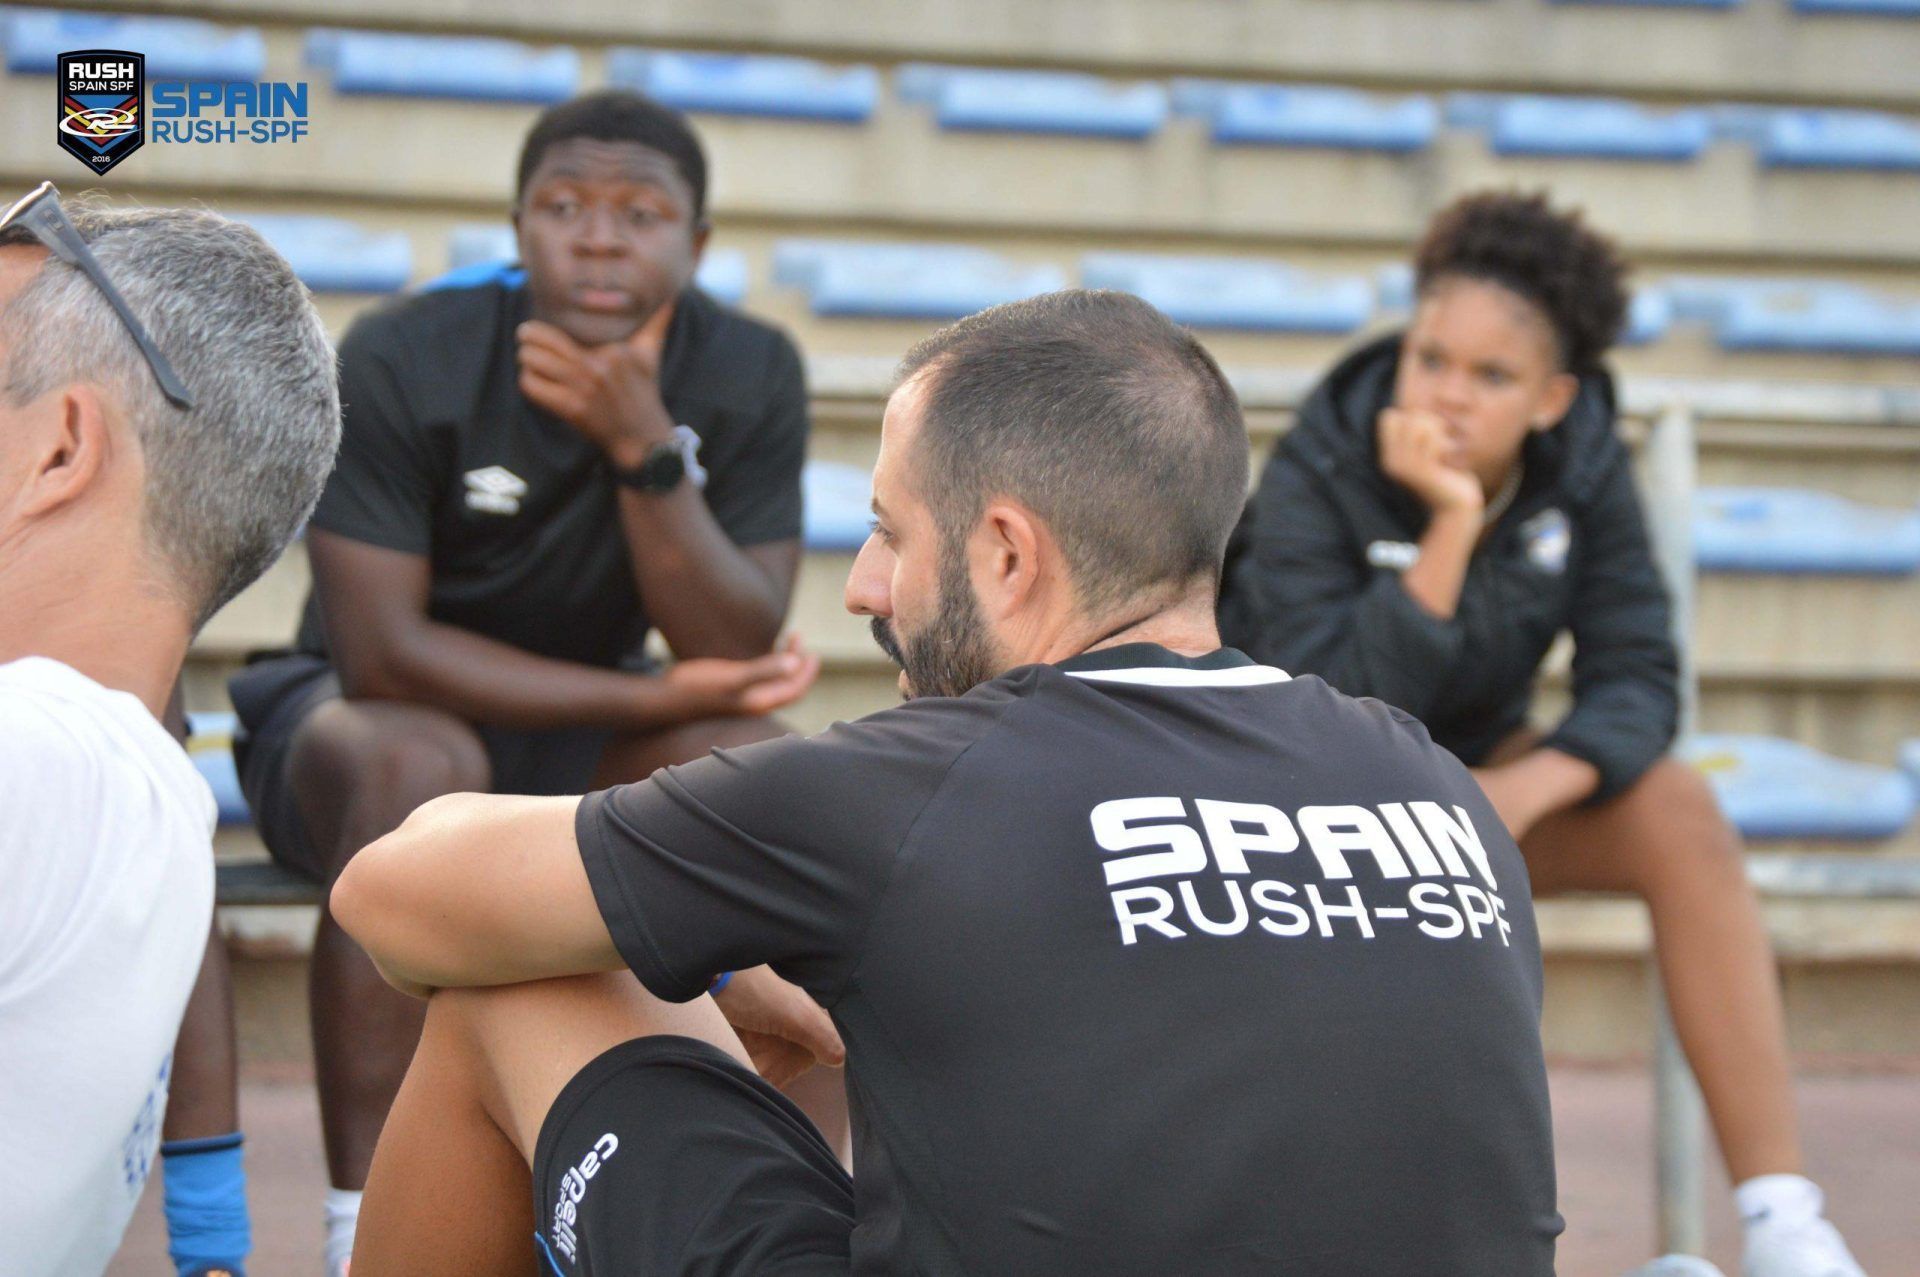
[(1436, 579), (1549, 781), (704, 594), (443, 901), (484, 680)]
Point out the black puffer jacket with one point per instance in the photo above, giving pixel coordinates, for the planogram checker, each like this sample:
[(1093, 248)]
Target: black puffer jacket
[(1313, 582)]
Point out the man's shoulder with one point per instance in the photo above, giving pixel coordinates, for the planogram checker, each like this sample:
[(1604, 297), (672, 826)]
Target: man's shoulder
[(49, 745), (729, 340), (431, 326)]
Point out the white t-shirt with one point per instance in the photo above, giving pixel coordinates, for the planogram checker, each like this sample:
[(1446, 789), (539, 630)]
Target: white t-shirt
[(106, 892)]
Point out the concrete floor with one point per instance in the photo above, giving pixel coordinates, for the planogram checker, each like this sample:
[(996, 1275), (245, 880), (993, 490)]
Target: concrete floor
[(1862, 1133)]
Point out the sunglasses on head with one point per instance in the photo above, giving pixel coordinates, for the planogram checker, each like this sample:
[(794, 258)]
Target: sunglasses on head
[(41, 216)]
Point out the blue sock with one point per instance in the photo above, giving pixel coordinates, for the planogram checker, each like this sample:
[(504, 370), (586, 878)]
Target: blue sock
[(206, 1203)]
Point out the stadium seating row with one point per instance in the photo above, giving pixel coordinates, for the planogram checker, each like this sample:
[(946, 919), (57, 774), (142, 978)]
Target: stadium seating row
[(866, 279), (1770, 788), (967, 98)]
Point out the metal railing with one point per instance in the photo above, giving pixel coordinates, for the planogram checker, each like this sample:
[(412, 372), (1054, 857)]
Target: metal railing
[(1669, 465)]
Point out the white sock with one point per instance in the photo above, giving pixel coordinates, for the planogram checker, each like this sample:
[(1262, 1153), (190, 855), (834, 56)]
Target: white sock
[(343, 1215), (1778, 1197)]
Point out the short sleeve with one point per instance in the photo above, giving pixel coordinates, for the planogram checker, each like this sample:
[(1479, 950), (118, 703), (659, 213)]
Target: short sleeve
[(775, 853), (47, 782), (755, 493), (384, 483)]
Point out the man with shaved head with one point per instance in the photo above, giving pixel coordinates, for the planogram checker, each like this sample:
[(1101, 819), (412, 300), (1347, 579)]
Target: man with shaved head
[(1146, 958)]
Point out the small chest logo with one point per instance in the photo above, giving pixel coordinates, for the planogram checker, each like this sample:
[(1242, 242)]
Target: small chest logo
[(1547, 536), (494, 490), (1396, 556)]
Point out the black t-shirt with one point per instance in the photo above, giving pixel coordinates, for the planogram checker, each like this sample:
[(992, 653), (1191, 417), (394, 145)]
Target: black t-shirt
[(1144, 964), (442, 456)]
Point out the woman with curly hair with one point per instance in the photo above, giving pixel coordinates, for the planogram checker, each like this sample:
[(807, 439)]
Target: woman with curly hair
[(1453, 498)]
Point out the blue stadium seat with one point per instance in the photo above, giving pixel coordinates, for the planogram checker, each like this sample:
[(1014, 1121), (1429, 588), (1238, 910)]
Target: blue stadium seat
[(1471, 110), (733, 84), (210, 745), (176, 48), (474, 243), (1771, 788), (1706, 298), (476, 254), (1910, 760), (431, 66), (938, 286), (1229, 292), (1323, 117), (1601, 128), (797, 263), (1822, 318), (1649, 317), (723, 275), (1794, 530), (1840, 139), (335, 256), (1664, 4), (1393, 286), (838, 510), (1887, 8), (1043, 102)]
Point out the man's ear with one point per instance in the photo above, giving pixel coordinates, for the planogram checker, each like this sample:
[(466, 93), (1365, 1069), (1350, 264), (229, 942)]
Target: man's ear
[(1008, 544), (702, 232), (1562, 388), (72, 455)]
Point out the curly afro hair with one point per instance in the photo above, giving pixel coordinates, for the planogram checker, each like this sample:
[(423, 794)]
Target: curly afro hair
[(1573, 274)]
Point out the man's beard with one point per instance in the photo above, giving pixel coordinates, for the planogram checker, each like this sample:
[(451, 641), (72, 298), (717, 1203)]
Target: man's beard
[(950, 655)]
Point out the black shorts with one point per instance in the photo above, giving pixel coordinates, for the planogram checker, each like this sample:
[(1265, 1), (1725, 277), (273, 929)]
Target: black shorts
[(667, 1157), (272, 698)]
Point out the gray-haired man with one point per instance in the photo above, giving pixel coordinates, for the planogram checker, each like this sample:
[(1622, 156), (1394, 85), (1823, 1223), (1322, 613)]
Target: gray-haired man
[(167, 416)]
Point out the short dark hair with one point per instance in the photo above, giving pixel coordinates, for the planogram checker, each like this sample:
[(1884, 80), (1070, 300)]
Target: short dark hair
[(1573, 274), (1103, 416), (618, 115)]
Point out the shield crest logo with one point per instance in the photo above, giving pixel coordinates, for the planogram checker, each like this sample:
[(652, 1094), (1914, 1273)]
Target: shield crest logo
[(99, 104)]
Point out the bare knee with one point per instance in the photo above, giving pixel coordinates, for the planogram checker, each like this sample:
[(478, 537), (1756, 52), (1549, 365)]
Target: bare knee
[(1673, 830), (357, 770), (525, 1042)]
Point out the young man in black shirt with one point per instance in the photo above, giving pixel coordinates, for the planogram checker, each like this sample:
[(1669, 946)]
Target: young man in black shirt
[(537, 469), (1147, 958)]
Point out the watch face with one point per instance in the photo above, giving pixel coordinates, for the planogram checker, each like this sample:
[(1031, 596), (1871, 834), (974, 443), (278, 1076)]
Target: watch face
[(660, 472)]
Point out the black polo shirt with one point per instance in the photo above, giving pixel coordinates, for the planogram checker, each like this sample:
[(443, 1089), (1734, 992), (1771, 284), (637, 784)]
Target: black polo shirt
[(1144, 964), (442, 456)]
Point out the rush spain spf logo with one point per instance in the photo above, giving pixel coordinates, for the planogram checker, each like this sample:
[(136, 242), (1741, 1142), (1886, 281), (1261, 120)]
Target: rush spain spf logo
[(99, 104)]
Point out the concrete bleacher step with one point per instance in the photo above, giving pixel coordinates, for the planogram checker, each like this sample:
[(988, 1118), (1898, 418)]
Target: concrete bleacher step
[(902, 167), (1756, 50)]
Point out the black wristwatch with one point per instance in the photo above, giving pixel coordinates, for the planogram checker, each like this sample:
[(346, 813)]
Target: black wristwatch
[(665, 465)]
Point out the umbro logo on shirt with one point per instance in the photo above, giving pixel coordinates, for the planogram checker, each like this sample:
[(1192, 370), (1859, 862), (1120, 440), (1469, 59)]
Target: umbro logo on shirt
[(494, 490)]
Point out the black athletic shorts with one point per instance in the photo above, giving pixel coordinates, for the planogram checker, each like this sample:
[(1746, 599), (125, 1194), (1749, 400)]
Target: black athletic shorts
[(273, 697), (666, 1157)]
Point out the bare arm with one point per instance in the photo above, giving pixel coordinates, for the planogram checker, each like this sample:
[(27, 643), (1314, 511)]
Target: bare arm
[(707, 596), (476, 889), (1412, 448), (387, 647), (1536, 785)]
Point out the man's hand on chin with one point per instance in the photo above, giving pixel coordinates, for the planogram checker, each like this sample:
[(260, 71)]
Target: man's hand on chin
[(610, 393)]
